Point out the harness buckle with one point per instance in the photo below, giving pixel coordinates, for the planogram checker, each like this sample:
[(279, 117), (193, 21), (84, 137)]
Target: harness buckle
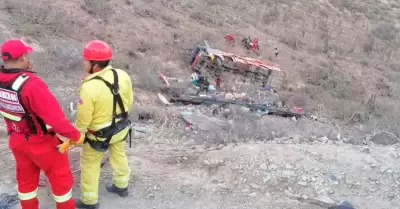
[(99, 133), (115, 88)]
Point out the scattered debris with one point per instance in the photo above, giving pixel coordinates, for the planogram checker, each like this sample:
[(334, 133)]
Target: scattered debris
[(263, 166), (366, 150), (142, 128), (342, 205), (203, 122), (251, 43), (163, 99), (323, 200), (188, 99), (302, 183), (164, 79)]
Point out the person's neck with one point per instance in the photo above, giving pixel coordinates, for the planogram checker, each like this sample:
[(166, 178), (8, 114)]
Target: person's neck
[(12, 66), (97, 70)]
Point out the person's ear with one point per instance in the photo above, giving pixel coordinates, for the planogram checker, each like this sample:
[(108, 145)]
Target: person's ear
[(23, 58), (96, 67)]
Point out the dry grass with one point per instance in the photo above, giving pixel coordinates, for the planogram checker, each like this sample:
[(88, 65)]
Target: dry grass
[(35, 19), (98, 8)]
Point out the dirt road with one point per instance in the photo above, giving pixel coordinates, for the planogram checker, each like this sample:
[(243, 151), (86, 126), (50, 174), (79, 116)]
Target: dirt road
[(254, 176)]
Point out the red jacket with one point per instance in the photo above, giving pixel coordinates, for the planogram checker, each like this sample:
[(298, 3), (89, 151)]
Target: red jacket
[(37, 99)]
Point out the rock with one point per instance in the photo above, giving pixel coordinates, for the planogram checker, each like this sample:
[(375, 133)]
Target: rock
[(254, 186), (384, 139), (304, 178), (394, 155), (273, 135), (304, 197), (332, 179), (220, 146), (290, 189), (149, 195), (288, 173), (302, 183), (365, 150), (289, 167), (296, 139), (288, 193), (373, 165), (313, 179), (273, 167), (323, 139), (266, 179), (267, 194), (223, 186), (323, 200), (264, 166), (253, 194), (372, 177), (383, 169), (389, 171)]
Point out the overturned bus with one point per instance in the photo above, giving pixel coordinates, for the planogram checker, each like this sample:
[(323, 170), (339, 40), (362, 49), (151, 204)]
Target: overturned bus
[(215, 61)]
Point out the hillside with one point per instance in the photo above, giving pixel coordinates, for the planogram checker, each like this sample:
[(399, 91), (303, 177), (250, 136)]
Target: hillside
[(341, 61)]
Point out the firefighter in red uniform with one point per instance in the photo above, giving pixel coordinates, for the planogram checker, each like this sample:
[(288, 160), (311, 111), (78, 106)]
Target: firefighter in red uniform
[(230, 38), (34, 118), (255, 44)]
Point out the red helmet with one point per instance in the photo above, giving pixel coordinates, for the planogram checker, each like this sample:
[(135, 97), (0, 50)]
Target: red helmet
[(97, 51)]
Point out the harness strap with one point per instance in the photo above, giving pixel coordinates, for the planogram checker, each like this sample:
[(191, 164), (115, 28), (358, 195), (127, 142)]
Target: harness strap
[(19, 82), (17, 85), (114, 88)]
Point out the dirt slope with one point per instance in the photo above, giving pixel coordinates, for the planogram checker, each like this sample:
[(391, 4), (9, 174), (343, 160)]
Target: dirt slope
[(336, 52), (341, 60)]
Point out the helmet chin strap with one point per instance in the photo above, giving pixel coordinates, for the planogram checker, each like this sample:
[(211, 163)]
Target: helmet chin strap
[(91, 67)]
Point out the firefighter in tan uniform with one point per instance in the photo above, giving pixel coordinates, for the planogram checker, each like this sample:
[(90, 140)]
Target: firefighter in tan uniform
[(106, 96)]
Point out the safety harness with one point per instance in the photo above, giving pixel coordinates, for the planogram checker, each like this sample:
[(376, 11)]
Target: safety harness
[(116, 126), (16, 86)]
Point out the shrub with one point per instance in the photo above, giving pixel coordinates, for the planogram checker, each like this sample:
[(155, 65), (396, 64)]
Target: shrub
[(98, 8), (35, 19)]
